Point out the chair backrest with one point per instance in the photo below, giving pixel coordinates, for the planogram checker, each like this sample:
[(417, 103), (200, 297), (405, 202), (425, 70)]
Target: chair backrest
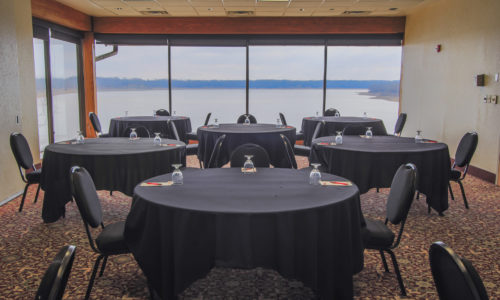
[(455, 277), (331, 112), (400, 123), (283, 120), (289, 153), (95, 122), (141, 131), (354, 130), (214, 157), (207, 119), (162, 112), (85, 194), (241, 119), (402, 192), (466, 149), (21, 150), (173, 129), (260, 156), (56, 277), (318, 130)]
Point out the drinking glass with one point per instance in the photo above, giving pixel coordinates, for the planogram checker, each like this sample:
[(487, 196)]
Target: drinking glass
[(154, 113), (157, 139), (174, 113), (79, 137), (248, 165), (337, 114), (247, 121), (418, 137), (368, 133), (365, 115), (317, 114), (278, 123), (315, 175), (177, 177), (338, 138), (133, 134), (216, 123)]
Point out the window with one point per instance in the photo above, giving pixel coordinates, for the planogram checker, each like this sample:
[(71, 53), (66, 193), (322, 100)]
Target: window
[(287, 79), (41, 93), (364, 79)]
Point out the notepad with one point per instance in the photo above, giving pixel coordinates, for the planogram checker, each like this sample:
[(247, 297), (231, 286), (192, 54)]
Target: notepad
[(429, 142), (327, 144), (169, 145), (168, 183), (248, 170), (336, 183)]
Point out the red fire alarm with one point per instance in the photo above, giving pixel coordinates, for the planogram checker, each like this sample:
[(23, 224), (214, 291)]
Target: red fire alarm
[(438, 48)]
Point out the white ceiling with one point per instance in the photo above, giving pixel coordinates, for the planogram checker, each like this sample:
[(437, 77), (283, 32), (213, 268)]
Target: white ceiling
[(259, 8)]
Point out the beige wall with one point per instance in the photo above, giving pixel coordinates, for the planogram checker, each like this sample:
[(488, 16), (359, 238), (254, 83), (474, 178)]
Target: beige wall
[(17, 89), (438, 89)]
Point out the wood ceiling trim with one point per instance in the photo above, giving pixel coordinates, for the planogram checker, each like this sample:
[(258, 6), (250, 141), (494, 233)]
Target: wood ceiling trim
[(61, 14), (249, 25)]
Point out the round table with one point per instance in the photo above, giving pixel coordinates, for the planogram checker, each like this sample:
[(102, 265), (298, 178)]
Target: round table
[(334, 124), (373, 162), (115, 164), (224, 218), (265, 135), (118, 125)]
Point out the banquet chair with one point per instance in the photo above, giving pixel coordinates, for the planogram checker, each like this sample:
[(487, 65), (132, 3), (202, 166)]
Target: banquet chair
[(455, 277), (214, 161), (303, 150), (22, 153), (94, 120), (193, 135), (241, 119), (110, 240), (376, 234), (260, 157), (56, 277), (191, 149), (141, 131), (400, 123), (463, 156), (288, 151), (162, 112), (354, 130), (331, 112), (299, 135)]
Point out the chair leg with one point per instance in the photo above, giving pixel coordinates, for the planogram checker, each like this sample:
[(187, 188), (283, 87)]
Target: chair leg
[(199, 161), (103, 266), (418, 195), (92, 277), (384, 261), (37, 192), (377, 190), (463, 194), (111, 193), (428, 209), (398, 274), (451, 192), (24, 196)]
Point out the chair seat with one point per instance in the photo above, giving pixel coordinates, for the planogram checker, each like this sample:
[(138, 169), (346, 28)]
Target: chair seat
[(376, 235), (302, 150), (111, 239), (192, 136), (34, 177), (192, 149), (455, 175), (299, 135)]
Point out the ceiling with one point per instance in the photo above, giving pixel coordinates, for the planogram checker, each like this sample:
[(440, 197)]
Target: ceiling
[(243, 8)]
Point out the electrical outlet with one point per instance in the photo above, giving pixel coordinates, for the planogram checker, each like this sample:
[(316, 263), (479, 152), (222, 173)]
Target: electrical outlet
[(494, 99), (485, 99)]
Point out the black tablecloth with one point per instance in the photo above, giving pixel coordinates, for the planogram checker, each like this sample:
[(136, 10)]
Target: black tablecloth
[(118, 125), (334, 124), (373, 162), (272, 219), (265, 135), (116, 164)]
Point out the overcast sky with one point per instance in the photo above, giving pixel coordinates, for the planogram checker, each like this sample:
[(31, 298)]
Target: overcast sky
[(266, 62)]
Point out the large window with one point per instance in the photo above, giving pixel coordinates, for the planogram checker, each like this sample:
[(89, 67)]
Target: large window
[(365, 79), (208, 79), (41, 93), (287, 79)]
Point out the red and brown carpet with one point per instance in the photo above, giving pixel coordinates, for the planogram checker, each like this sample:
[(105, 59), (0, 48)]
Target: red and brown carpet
[(27, 246)]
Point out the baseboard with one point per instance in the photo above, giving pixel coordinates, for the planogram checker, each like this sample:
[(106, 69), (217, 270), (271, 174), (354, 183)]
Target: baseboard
[(10, 198), (480, 173)]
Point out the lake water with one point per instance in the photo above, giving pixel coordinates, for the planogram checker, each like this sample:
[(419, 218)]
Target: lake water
[(225, 104)]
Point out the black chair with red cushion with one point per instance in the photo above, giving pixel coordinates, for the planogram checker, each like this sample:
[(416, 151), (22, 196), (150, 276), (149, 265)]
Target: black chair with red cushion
[(331, 112), (193, 135), (303, 150), (94, 120), (299, 135), (191, 149), (55, 279), (376, 234), (22, 153), (400, 124), (214, 161), (242, 118), (289, 155), (162, 112), (463, 156), (455, 277), (260, 157)]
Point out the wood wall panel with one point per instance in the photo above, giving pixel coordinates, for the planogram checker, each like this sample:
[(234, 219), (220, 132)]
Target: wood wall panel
[(61, 14), (249, 25), (89, 77)]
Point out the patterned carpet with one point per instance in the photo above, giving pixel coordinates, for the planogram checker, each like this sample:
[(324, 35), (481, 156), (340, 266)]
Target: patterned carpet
[(27, 246)]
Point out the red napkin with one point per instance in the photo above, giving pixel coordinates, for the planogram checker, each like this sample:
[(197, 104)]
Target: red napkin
[(336, 183)]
